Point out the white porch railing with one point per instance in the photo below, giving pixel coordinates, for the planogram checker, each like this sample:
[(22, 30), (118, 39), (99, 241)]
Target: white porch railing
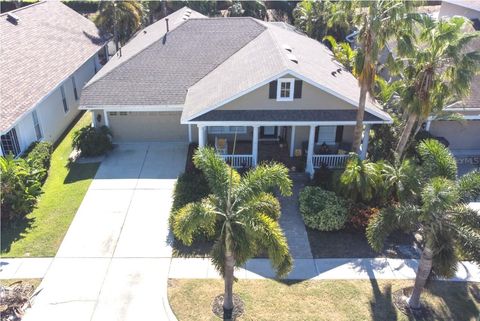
[(238, 161), (332, 161)]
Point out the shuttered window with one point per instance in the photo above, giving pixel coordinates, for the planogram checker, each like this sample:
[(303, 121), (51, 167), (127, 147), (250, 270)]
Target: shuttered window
[(36, 125)]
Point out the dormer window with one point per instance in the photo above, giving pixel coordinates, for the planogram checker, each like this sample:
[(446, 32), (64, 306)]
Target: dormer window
[(285, 89)]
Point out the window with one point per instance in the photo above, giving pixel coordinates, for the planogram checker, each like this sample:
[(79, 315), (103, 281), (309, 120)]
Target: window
[(227, 129), (113, 113), (327, 134), (285, 89), (36, 125), (64, 99), (75, 93), (10, 143)]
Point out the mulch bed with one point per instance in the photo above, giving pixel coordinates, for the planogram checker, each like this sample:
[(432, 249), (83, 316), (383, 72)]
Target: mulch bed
[(238, 306), (400, 298), (349, 243)]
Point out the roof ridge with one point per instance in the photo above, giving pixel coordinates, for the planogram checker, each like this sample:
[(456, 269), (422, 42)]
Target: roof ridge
[(279, 49), (21, 8), (182, 23)]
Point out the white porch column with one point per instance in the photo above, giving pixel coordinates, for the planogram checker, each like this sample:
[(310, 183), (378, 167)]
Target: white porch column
[(189, 133), (201, 136), (366, 137), (427, 126), (292, 142), (311, 143), (94, 121), (105, 115), (255, 146)]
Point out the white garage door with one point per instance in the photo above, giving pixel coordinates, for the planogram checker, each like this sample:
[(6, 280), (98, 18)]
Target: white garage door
[(460, 134), (147, 127)]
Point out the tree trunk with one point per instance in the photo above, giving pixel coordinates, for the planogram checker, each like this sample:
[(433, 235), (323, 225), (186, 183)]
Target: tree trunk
[(421, 279), (402, 142), (357, 134), (228, 278)]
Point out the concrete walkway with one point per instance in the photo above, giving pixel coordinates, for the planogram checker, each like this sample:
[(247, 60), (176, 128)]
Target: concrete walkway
[(114, 260), (292, 222)]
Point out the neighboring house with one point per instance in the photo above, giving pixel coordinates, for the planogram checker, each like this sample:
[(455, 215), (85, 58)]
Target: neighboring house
[(48, 53), (462, 135), (190, 78)]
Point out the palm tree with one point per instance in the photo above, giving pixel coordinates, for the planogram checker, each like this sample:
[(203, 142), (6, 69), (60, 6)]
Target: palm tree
[(445, 223), (436, 69), (400, 179), (120, 18), (241, 213), (379, 22), (360, 179), (342, 52)]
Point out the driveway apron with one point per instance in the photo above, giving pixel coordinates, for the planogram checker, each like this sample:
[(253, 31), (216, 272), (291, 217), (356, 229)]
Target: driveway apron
[(114, 260)]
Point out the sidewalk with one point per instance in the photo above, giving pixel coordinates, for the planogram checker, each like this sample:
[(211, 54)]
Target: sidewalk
[(304, 269)]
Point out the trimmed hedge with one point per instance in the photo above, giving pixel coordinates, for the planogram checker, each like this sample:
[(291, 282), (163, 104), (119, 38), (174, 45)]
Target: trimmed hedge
[(322, 210), (91, 141), (38, 155)]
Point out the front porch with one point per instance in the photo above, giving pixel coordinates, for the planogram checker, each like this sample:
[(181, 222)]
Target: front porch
[(298, 147)]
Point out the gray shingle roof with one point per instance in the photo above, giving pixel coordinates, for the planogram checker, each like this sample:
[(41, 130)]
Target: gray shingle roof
[(47, 45), (162, 72), (284, 115)]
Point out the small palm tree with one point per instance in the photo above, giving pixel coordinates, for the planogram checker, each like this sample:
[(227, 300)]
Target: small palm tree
[(400, 179), (445, 223), (436, 70), (360, 180), (241, 213), (120, 18), (342, 52)]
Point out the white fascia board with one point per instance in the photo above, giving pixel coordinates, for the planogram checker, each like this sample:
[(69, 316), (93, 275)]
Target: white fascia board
[(282, 123), (133, 107)]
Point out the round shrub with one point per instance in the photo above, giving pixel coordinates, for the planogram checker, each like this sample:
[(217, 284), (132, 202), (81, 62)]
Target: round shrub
[(322, 210), (38, 155), (91, 141)]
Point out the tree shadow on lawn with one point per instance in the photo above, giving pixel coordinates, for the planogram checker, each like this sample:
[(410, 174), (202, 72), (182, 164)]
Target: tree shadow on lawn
[(351, 243), (13, 231), (80, 172)]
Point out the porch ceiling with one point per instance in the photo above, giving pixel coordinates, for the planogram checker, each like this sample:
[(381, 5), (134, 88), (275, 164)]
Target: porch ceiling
[(285, 116)]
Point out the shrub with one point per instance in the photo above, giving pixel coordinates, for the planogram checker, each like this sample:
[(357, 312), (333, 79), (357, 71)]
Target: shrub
[(436, 160), (91, 141), (38, 155), (190, 187), (469, 187), (20, 187), (361, 215), (322, 210)]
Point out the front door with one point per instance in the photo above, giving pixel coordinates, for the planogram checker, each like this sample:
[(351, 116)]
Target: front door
[(269, 132)]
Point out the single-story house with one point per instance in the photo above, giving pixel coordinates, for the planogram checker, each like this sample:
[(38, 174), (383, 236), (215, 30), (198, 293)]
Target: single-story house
[(463, 135), (48, 53), (214, 81)]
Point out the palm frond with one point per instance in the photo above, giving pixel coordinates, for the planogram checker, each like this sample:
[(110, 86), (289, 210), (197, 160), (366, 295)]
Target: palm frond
[(437, 160), (192, 218), (469, 187)]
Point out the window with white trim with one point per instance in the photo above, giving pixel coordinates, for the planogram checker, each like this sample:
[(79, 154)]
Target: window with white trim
[(75, 92), (227, 129), (36, 125), (64, 99), (285, 89), (327, 134)]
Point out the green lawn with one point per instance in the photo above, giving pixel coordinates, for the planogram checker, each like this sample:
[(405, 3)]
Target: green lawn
[(321, 300), (42, 232)]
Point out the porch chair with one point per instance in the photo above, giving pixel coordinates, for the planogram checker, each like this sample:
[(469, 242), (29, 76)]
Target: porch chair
[(221, 145)]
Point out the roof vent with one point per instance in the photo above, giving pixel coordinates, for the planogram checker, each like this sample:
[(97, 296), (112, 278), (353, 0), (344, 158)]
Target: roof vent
[(13, 18), (189, 11), (287, 48), (334, 73), (292, 57)]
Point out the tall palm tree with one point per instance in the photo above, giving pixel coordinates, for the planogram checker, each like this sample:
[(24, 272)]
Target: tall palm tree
[(241, 213), (445, 223), (120, 18), (378, 21), (436, 69)]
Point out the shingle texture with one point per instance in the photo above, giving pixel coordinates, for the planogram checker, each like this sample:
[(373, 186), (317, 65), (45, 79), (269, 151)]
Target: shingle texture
[(162, 72), (47, 45), (284, 115)]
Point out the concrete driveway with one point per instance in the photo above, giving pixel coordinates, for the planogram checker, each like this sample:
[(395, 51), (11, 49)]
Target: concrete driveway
[(113, 263)]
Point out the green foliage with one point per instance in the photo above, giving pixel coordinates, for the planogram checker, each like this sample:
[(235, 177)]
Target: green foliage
[(322, 18), (342, 52), (120, 18), (400, 180), (322, 210), (92, 141), (469, 187), (255, 8), (38, 155), (382, 142), (239, 213), (20, 187), (436, 160), (361, 215), (361, 179)]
